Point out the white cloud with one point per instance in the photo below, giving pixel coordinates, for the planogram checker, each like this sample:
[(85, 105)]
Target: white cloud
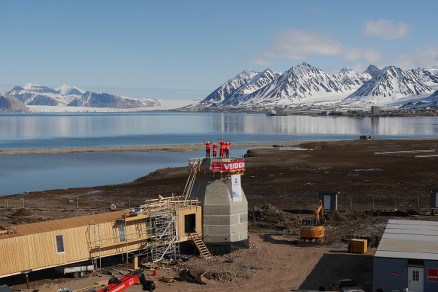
[(386, 29), (422, 57), (299, 44), (371, 56)]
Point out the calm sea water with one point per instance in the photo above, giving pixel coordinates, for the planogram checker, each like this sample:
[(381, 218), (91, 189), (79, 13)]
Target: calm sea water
[(21, 173)]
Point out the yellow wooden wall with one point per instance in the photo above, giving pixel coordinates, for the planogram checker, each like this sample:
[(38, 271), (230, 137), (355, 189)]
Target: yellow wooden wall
[(38, 251), (181, 223)]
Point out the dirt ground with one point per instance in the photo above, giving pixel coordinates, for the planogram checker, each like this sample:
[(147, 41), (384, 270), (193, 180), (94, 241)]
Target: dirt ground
[(376, 180)]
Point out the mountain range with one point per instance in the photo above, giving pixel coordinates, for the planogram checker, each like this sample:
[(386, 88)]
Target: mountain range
[(305, 86), (20, 98), (302, 87)]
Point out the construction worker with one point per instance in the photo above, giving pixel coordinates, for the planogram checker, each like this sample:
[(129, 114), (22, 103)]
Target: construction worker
[(221, 148), (207, 148), (227, 149), (214, 147), (319, 212)]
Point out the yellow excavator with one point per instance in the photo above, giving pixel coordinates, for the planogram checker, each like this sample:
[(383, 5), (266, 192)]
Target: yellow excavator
[(312, 229)]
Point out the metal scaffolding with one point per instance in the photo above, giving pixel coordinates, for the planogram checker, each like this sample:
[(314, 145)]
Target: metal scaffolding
[(162, 236)]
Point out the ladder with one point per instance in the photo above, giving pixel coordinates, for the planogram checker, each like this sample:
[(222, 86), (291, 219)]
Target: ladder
[(200, 245), (194, 167)]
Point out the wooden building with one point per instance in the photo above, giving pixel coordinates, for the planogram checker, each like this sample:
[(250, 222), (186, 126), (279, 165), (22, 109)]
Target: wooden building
[(155, 227)]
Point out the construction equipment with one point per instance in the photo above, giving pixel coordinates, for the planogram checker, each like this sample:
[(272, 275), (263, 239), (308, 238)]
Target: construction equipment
[(312, 229), (132, 278)]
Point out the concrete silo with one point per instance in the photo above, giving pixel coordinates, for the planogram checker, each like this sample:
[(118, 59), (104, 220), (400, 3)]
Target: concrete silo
[(217, 185)]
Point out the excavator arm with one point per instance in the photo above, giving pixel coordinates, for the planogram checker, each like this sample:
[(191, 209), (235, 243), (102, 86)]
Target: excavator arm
[(132, 278), (319, 212)]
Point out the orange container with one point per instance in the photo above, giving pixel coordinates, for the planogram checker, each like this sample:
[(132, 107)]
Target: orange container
[(358, 246)]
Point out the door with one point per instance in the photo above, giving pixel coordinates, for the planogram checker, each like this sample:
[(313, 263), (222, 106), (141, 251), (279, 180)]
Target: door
[(327, 201), (436, 199), (190, 223), (415, 279)]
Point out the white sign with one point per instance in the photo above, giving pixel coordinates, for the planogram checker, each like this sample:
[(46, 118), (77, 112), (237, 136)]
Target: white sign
[(236, 188)]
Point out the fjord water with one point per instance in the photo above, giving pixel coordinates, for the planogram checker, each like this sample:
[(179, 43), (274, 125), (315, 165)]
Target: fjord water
[(21, 173)]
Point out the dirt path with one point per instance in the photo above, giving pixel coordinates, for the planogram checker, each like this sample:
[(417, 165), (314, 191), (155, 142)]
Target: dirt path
[(272, 263)]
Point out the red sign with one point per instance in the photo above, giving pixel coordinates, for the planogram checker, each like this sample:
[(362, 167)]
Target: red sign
[(229, 166), (432, 274)]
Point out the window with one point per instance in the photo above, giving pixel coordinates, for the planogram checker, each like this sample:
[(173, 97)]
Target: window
[(59, 243), (415, 276)]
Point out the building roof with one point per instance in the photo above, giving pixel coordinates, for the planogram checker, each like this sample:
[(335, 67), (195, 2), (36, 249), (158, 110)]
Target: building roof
[(62, 224), (409, 239)]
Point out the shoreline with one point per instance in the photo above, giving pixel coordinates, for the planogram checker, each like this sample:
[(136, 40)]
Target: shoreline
[(149, 148)]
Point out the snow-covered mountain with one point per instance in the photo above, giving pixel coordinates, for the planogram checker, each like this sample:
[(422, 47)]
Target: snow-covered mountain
[(372, 71), (38, 95), (351, 79), (106, 100), (33, 94), (297, 85), (10, 103), (70, 90), (391, 84), (258, 81), (227, 89), (428, 102), (305, 86), (428, 76), (234, 96)]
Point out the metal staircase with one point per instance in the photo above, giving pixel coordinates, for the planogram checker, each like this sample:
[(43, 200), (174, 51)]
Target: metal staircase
[(200, 245)]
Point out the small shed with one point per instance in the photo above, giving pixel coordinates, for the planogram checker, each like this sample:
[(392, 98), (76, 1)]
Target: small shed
[(407, 257), (329, 200)]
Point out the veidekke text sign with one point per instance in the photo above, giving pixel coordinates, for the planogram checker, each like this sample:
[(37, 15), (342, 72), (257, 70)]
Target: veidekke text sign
[(229, 166)]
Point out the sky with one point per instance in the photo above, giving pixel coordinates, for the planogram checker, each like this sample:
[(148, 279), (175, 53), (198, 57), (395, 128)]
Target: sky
[(186, 49)]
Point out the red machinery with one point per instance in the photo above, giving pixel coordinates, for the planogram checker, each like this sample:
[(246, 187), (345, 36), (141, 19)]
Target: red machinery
[(135, 277)]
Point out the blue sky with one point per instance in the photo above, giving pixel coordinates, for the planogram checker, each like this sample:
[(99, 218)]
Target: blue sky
[(186, 49)]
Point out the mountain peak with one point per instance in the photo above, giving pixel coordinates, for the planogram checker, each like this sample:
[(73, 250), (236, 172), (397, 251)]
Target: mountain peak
[(70, 90), (39, 88), (390, 84), (228, 88), (372, 70)]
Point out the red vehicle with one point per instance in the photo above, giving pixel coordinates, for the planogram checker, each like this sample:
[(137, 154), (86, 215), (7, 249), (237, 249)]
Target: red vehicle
[(135, 277)]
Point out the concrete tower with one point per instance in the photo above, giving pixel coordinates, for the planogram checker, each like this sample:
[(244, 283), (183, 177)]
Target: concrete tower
[(224, 205)]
